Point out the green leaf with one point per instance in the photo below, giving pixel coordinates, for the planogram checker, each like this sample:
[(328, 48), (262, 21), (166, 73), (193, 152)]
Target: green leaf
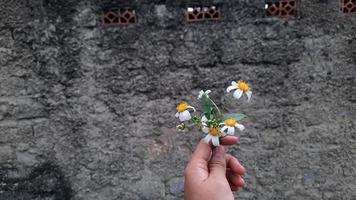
[(207, 107), (236, 116)]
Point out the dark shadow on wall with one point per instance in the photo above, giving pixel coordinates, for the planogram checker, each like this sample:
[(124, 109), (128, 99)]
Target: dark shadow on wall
[(44, 182)]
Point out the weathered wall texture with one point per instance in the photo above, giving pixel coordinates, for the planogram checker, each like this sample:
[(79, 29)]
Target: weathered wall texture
[(87, 112)]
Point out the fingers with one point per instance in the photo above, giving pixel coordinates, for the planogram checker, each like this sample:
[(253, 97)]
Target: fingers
[(233, 164), (217, 163), (203, 150), (234, 172), (235, 188), (229, 140), (205, 160), (235, 180)]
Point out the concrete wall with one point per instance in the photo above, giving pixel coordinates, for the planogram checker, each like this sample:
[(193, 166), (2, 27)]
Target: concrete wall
[(87, 112)]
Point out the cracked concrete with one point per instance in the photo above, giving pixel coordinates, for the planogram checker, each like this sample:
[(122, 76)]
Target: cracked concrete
[(87, 111)]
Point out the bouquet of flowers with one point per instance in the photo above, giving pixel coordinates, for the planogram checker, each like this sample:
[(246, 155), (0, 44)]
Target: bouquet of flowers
[(213, 122)]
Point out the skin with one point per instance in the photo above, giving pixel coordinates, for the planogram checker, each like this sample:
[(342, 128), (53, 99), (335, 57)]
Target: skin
[(212, 174)]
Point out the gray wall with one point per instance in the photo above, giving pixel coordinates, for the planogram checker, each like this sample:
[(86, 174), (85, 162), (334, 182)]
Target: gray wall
[(87, 111)]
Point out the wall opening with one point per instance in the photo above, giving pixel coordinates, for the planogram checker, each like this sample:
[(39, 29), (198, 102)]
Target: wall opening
[(348, 6), (120, 16), (281, 8), (202, 13)]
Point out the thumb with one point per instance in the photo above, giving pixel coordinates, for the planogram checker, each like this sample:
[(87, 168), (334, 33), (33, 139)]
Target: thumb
[(217, 163)]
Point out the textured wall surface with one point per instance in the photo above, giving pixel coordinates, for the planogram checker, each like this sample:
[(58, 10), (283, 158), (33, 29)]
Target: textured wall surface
[(87, 112)]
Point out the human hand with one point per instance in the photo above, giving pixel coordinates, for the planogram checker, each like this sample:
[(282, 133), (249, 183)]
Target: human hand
[(212, 174)]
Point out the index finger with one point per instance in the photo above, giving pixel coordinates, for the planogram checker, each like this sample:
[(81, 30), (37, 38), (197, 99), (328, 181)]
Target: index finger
[(229, 140)]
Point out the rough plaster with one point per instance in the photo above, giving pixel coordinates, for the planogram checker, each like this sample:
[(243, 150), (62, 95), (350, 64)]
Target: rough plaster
[(87, 112)]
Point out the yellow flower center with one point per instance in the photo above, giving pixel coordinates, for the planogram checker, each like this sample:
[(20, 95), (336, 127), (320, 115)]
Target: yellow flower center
[(182, 107), (243, 86), (214, 132), (230, 122)]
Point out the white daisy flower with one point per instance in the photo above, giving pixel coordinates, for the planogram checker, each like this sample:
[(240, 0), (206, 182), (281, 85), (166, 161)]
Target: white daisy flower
[(213, 134), (230, 125), (201, 93), (240, 87), (182, 111)]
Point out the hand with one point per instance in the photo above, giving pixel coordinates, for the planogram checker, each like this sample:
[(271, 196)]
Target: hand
[(213, 174)]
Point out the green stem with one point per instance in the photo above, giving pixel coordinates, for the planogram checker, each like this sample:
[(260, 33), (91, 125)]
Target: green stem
[(215, 106)]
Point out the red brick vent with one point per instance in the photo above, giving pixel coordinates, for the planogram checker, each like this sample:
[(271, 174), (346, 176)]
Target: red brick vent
[(202, 13), (348, 6), (121, 16), (281, 8)]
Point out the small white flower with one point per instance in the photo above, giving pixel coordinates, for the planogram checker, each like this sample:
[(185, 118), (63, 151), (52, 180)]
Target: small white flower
[(201, 93), (240, 87), (182, 111), (213, 135), (229, 127), (190, 9)]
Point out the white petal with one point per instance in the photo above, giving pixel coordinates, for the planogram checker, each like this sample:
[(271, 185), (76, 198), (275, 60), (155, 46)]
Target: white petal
[(184, 116), (207, 138), (200, 94), (205, 129), (233, 83), (249, 94), (223, 134), (181, 117), (204, 119), (177, 114), (191, 107), (215, 141), (238, 93), (230, 130), (240, 127), (187, 115), (231, 87), (223, 129)]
